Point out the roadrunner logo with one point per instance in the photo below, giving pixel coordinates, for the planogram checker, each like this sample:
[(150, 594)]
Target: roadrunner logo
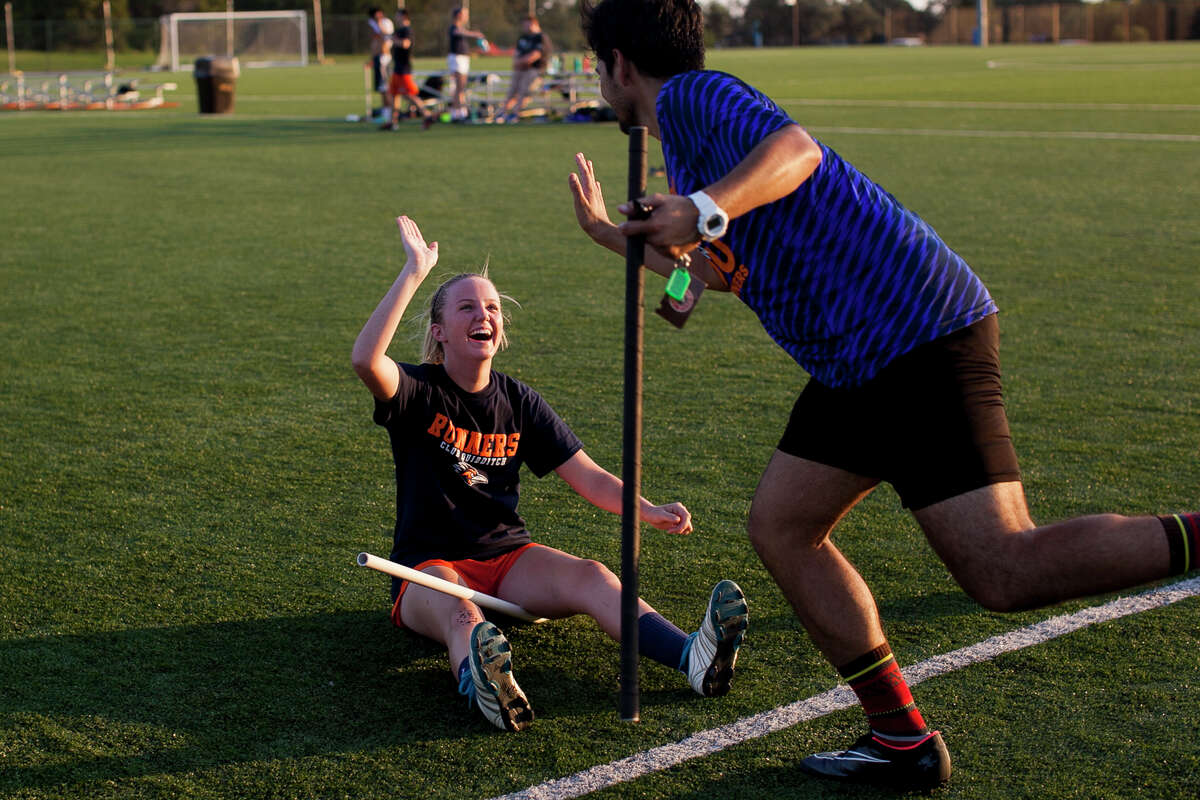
[(469, 474)]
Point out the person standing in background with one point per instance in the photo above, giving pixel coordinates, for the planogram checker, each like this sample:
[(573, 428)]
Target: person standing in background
[(401, 83), (530, 58), (459, 61)]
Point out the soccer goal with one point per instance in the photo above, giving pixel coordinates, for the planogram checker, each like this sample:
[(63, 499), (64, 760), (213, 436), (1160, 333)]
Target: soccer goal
[(255, 38)]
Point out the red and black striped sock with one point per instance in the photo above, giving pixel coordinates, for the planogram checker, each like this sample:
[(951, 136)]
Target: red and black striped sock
[(893, 716), (1183, 539)]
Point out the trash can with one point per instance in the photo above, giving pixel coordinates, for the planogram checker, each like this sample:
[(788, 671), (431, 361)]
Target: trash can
[(216, 79)]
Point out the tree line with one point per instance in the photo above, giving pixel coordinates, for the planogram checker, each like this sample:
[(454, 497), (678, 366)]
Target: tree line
[(742, 23)]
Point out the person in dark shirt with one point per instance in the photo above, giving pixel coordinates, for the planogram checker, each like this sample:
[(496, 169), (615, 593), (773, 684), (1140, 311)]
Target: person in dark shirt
[(460, 432), (901, 342), (530, 58), (458, 60), (401, 83)]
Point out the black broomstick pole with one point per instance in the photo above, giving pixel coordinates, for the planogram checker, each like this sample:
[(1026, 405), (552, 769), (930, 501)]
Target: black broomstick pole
[(631, 458)]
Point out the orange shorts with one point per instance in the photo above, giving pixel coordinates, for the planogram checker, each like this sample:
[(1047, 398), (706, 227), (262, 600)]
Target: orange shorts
[(402, 84), (480, 576)]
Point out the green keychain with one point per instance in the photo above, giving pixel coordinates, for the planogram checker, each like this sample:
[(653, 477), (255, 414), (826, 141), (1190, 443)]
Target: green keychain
[(682, 292), (677, 284)]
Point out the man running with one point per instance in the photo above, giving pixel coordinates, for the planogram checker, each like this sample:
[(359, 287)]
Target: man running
[(900, 339)]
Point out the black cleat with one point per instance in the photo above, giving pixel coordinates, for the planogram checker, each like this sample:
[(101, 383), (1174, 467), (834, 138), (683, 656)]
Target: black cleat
[(921, 766)]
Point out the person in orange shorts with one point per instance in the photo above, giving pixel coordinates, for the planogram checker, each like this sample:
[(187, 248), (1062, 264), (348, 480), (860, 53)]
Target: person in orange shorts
[(401, 84), (460, 432)]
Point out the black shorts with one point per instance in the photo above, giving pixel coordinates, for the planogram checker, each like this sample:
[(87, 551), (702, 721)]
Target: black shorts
[(931, 423)]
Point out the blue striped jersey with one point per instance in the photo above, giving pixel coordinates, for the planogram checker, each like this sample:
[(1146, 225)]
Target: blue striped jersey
[(841, 275)]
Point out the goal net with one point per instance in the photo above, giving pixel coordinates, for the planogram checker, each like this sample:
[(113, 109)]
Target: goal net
[(255, 38)]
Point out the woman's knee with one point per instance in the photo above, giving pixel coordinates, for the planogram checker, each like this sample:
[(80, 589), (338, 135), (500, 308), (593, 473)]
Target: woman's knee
[(424, 610), (580, 586), (590, 575)]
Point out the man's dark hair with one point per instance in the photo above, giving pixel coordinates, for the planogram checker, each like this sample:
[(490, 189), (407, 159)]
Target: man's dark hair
[(661, 37)]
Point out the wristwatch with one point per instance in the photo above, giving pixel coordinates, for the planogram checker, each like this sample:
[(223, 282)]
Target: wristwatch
[(713, 220)]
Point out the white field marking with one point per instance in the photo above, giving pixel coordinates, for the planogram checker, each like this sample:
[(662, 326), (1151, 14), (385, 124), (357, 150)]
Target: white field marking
[(1069, 67), (975, 134), (716, 739), (990, 104), (287, 98)]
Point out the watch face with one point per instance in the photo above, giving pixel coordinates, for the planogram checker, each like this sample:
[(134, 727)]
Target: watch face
[(715, 225)]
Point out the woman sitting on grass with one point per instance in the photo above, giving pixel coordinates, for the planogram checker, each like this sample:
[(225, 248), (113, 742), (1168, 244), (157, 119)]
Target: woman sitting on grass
[(460, 433)]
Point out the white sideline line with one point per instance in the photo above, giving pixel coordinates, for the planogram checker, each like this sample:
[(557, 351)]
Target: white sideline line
[(1112, 135), (289, 98), (716, 739), (1068, 67)]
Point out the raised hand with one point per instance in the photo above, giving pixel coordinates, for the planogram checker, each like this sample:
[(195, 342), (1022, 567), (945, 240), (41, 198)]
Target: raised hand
[(421, 257), (589, 199)]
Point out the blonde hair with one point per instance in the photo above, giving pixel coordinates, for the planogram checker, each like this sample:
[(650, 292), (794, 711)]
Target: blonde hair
[(431, 350)]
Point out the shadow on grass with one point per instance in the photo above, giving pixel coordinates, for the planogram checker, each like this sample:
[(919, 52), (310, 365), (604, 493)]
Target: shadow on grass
[(106, 706), (952, 604), (918, 608)]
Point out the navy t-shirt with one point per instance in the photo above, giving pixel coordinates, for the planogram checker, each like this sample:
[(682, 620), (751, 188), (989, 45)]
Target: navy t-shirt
[(458, 455), (458, 42), (841, 275), (402, 56), (528, 42)]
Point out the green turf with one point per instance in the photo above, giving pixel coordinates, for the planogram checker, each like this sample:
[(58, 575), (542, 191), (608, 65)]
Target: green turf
[(188, 466)]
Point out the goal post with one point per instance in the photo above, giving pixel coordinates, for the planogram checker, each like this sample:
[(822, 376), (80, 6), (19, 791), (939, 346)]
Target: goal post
[(255, 38)]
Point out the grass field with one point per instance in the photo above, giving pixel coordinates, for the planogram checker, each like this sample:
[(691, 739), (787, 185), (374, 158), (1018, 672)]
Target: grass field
[(188, 466)]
